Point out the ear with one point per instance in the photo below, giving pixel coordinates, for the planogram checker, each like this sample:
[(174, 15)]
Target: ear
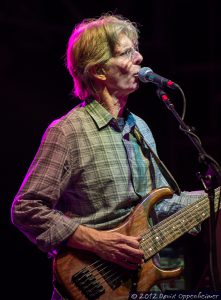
[(97, 72)]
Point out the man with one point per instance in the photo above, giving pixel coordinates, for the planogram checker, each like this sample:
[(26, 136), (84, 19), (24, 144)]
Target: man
[(90, 170)]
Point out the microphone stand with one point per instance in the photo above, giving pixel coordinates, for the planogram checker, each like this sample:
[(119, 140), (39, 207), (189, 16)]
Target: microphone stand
[(209, 180)]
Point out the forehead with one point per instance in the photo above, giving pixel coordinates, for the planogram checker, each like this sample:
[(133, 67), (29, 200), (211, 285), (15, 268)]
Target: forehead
[(123, 42)]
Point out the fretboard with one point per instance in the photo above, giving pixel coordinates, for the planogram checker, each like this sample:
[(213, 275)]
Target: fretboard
[(173, 227)]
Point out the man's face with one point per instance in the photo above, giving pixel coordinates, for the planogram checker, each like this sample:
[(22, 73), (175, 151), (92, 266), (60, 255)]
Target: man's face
[(121, 70)]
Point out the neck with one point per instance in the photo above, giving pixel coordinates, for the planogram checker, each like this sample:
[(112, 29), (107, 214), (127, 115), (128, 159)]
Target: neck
[(115, 105)]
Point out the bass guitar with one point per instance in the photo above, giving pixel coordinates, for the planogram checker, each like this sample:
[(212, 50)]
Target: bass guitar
[(84, 276)]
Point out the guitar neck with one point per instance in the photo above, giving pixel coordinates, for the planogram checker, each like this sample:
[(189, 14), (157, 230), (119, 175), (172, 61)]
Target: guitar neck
[(170, 229)]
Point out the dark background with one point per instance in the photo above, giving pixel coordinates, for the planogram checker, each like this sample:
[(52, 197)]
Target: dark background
[(179, 40)]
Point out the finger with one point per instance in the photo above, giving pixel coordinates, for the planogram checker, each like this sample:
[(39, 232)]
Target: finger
[(130, 263), (130, 240), (128, 258), (130, 251), (124, 262), (134, 259)]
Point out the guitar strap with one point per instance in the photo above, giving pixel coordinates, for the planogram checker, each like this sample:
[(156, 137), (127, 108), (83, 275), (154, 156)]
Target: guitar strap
[(148, 152)]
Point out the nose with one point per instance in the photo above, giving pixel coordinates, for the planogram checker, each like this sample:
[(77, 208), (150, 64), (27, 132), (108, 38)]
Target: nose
[(137, 58)]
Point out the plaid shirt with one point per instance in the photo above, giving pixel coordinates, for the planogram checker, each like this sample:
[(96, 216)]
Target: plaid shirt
[(88, 170)]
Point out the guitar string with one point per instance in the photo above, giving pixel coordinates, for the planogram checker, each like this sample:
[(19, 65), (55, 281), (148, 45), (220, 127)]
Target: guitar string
[(95, 267), (106, 265), (100, 278), (90, 287), (97, 275)]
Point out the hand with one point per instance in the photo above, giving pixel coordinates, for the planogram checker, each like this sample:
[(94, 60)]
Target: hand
[(113, 246)]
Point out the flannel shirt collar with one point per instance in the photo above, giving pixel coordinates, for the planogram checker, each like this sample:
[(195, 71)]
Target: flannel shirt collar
[(102, 117), (99, 114)]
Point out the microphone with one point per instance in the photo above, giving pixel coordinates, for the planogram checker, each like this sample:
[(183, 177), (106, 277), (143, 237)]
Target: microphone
[(147, 75)]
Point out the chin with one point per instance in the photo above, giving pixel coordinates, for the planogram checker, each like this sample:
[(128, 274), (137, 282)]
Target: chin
[(134, 88), (128, 91)]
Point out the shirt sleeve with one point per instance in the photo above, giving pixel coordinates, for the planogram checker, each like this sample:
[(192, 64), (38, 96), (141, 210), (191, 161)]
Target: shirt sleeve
[(34, 207)]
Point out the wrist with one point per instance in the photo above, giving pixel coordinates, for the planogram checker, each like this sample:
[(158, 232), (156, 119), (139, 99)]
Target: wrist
[(83, 238)]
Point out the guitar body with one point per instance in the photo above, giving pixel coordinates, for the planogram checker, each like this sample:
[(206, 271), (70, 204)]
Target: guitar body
[(83, 275)]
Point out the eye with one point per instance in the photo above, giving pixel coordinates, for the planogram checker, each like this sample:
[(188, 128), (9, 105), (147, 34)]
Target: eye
[(129, 52)]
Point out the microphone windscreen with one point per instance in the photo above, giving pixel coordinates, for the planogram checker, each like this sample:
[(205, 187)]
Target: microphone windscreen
[(142, 74)]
